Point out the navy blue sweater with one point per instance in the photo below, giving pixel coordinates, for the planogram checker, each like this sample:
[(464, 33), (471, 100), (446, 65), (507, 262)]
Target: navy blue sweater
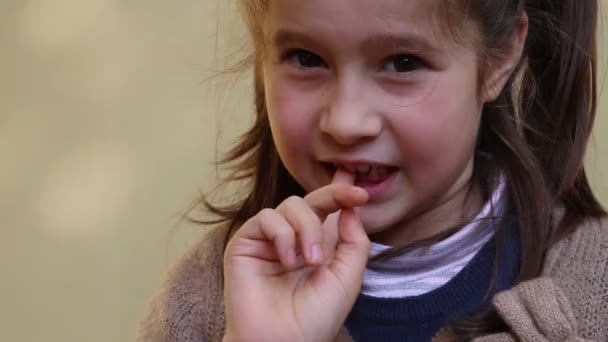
[(420, 318)]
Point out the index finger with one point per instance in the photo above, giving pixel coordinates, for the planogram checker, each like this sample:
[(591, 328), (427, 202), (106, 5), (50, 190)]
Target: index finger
[(341, 193), (343, 177)]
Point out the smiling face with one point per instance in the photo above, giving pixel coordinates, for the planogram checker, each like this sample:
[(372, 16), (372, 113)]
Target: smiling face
[(369, 85)]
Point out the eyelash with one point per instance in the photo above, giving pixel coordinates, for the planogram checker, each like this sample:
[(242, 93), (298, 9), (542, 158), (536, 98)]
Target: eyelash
[(293, 57), (415, 62), (295, 53)]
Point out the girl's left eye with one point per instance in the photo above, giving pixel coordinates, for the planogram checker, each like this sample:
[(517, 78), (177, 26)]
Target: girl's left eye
[(402, 64)]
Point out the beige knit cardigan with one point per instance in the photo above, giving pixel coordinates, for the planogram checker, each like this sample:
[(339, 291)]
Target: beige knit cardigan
[(568, 302)]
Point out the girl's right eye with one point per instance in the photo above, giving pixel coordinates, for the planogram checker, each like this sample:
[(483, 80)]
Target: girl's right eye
[(304, 59)]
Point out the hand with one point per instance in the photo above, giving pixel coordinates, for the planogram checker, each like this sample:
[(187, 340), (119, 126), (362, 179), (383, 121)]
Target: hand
[(292, 273)]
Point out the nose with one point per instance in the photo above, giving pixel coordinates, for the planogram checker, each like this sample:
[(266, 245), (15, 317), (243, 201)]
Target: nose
[(349, 117)]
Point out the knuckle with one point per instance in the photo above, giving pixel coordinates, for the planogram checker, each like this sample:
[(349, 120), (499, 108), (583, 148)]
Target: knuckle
[(292, 201), (303, 218), (265, 216), (292, 206)]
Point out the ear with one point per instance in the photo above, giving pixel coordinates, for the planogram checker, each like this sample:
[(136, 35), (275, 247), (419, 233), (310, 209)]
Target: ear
[(501, 67)]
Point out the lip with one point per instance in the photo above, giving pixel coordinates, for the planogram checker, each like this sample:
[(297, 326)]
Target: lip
[(351, 162), (376, 191)]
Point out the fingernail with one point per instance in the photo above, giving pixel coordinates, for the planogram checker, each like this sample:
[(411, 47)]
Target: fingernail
[(317, 253), (359, 191)]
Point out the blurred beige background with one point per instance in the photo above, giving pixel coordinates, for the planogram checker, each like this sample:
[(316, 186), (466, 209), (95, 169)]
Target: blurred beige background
[(107, 133)]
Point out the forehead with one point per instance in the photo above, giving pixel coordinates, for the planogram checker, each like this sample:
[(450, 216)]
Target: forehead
[(354, 18)]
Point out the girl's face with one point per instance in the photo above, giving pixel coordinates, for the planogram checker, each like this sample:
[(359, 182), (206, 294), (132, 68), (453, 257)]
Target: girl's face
[(369, 85)]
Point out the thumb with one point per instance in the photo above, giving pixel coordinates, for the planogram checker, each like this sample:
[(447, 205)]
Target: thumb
[(352, 253)]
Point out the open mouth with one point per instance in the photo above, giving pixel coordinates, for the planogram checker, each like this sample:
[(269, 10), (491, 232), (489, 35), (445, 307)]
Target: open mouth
[(366, 174)]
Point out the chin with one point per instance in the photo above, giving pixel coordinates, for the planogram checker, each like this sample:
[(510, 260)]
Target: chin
[(373, 225)]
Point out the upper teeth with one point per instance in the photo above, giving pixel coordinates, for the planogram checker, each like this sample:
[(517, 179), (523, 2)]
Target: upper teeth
[(374, 173), (364, 169)]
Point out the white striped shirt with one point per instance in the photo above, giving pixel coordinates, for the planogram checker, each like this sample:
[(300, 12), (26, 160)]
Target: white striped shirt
[(426, 269)]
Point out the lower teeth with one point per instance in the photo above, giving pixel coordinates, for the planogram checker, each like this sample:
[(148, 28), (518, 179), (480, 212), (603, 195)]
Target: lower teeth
[(375, 174)]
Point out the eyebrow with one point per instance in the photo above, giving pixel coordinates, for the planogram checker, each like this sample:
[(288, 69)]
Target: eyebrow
[(410, 41), (285, 37)]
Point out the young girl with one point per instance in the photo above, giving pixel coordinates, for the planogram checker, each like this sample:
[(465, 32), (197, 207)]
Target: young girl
[(450, 134)]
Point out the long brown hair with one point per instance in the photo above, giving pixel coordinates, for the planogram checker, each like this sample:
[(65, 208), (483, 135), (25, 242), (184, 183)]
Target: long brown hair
[(536, 131)]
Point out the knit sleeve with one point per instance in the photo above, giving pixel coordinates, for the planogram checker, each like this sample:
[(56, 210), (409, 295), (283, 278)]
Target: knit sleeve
[(537, 310), (188, 306), (578, 266), (570, 301)]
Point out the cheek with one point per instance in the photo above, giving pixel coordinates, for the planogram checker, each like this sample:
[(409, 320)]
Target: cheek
[(292, 121), (438, 135)]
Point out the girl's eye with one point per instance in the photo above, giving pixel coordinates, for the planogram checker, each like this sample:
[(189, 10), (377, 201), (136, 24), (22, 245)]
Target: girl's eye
[(305, 59), (403, 64)]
